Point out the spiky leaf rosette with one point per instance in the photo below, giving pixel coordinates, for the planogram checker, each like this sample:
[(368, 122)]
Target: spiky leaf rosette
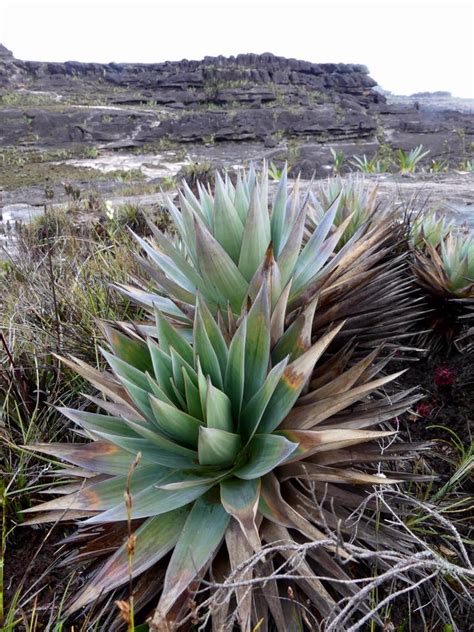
[(429, 228), (227, 435), (446, 273), (356, 201), (227, 242)]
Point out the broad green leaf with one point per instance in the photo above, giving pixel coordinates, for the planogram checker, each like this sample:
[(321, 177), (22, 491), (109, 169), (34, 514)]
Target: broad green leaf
[(202, 385), (297, 338), (140, 398), (214, 333), (157, 391), (193, 399), (178, 364), (124, 370), (151, 301), (265, 452), (289, 254), (240, 499), (151, 502), (99, 456), (199, 540), (257, 346), (169, 337), (255, 239), (241, 199), (104, 495), (163, 369), (175, 423), (217, 447), (228, 227), (279, 212), (98, 423), (219, 269), (131, 350), (235, 372), (153, 540), (204, 350), (164, 449), (218, 409), (292, 382), (316, 240), (167, 266), (254, 409)]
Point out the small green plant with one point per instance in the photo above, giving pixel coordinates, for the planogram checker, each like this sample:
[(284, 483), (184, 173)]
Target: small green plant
[(466, 165), (338, 160), (438, 166), (275, 173), (366, 165), (429, 227), (407, 162)]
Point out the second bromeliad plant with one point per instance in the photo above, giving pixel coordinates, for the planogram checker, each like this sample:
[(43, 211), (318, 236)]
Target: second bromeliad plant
[(243, 412)]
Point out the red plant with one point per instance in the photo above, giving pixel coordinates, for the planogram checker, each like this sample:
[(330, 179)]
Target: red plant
[(444, 376), (423, 409)]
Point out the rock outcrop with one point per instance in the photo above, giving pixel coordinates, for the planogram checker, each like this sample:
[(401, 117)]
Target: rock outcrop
[(276, 101)]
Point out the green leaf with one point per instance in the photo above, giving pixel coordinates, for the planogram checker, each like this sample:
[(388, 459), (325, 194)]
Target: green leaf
[(214, 333), (154, 539), (292, 382), (265, 452), (218, 409), (257, 346), (131, 350), (140, 398), (204, 350), (240, 499), (123, 369), (178, 364), (256, 237), (169, 337), (235, 372), (105, 494), (157, 391), (165, 450), (254, 409), (99, 456), (297, 338), (98, 423), (218, 268), (289, 254), (193, 399), (228, 227), (152, 502), (279, 212), (197, 543), (314, 243), (175, 423), (217, 447), (163, 370)]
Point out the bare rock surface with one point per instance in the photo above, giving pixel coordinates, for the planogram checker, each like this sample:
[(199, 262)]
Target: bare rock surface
[(243, 99)]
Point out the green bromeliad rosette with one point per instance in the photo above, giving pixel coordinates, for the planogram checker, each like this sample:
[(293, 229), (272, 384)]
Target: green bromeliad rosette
[(228, 441), (339, 247)]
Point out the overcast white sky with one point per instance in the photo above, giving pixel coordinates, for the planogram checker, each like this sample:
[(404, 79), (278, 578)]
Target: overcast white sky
[(408, 46)]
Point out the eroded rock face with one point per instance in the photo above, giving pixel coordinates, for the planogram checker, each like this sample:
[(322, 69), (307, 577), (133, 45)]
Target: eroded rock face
[(248, 98)]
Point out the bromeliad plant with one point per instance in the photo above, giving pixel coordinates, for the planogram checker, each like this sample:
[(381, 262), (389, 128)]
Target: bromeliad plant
[(232, 438), (429, 228), (445, 271), (356, 203), (346, 255)]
